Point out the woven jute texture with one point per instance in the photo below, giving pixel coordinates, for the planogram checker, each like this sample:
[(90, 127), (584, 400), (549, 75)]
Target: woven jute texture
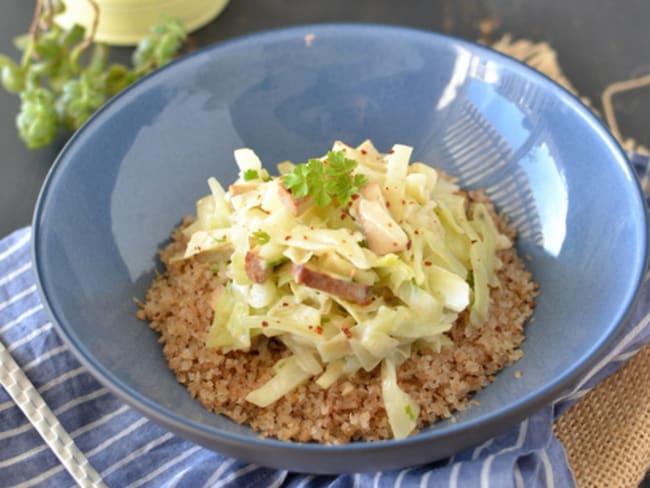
[(607, 432)]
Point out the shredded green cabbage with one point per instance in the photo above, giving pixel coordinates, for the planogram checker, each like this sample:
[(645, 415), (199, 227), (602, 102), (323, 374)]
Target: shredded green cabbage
[(344, 286)]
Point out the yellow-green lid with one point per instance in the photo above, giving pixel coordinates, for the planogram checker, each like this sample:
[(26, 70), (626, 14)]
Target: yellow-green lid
[(125, 22)]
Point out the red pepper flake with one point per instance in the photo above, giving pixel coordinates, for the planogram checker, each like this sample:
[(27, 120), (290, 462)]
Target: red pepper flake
[(416, 232), (428, 263), (408, 245), (387, 204), (391, 151), (390, 224), (395, 244), (265, 323), (305, 238), (310, 327), (343, 215), (344, 149), (285, 304), (286, 238), (347, 332), (354, 196), (363, 151), (403, 202), (318, 329), (350, 203)]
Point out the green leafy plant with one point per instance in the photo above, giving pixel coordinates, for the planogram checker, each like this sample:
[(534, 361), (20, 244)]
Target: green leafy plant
[(64, 76), (325, 180)]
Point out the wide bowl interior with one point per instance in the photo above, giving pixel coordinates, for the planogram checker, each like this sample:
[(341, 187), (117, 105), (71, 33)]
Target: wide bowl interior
[(126, 179)]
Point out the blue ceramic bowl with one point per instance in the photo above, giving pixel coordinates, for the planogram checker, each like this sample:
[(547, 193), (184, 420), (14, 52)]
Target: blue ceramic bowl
[(126, 178)]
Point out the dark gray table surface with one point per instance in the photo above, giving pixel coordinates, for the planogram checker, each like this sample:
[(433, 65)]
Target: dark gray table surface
[(599, 41)]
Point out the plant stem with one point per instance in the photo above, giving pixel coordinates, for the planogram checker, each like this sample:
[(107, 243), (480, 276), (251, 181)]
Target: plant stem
[(93, 28)]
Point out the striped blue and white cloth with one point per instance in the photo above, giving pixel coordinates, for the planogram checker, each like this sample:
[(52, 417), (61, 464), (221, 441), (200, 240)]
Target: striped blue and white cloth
[(130, 451)]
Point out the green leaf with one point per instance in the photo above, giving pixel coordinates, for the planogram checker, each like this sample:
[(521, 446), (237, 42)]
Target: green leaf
[(37, 121), (338, 164), (61, 73), (13, 78), (171, 25), (73, 36), (159, 47), (296, 181), (81, 97), (327, 181), (117, 77), (166, 49), (143, 55), (44, 68), (321, 196), (57, 7), (98, 58), (251, 174), (48, 48)]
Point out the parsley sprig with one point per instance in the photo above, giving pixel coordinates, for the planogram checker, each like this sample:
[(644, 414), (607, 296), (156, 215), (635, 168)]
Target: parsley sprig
[(325, 181)]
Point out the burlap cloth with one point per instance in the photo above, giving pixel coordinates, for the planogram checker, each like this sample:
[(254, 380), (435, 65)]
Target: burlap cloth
[(607, 432)]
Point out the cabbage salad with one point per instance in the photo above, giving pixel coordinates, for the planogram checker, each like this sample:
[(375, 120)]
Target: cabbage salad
[(353, 260)]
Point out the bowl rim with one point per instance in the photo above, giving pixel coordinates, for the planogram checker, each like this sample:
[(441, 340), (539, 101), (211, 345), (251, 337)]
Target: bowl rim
[(504, 416)]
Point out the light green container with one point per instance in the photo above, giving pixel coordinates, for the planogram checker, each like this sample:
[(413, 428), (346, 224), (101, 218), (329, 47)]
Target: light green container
[(125, 22)]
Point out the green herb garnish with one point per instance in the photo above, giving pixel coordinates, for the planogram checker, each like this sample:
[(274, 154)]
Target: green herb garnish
[(251, 174), (325, 181), (409, 412), (261, 237)]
